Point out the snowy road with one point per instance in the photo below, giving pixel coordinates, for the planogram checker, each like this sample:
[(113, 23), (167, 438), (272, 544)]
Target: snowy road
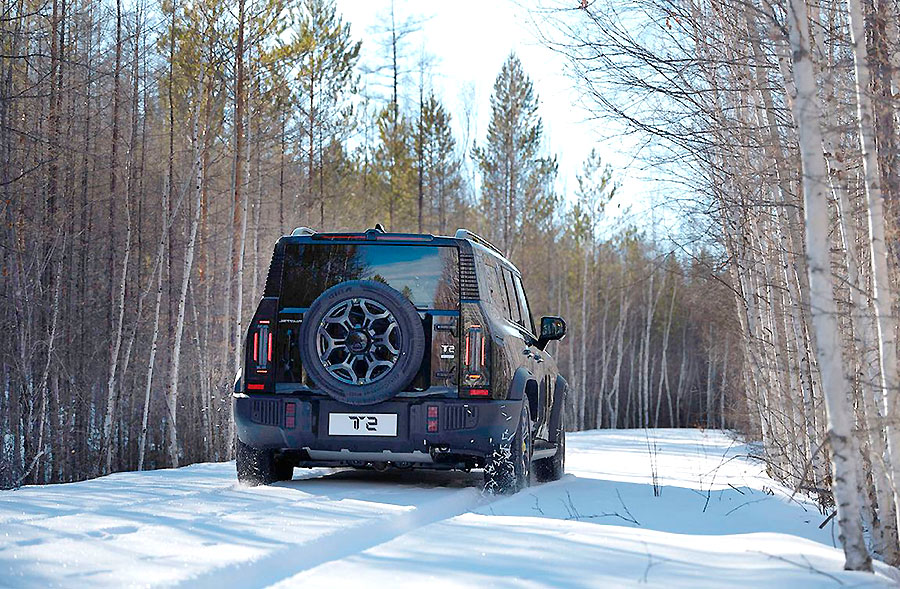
[(717, 521)]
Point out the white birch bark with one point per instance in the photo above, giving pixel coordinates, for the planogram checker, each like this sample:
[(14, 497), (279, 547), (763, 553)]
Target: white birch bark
[(116, 346), (172, 388), (203, 365), (710, 373), (582, 393), (723, 385), (663, 363), (644, 406), (882, 295), (613, 398), (40, 448), (154, 338), (605, 357), (166, 227), (807, 114), (238, 334), (863, 326)]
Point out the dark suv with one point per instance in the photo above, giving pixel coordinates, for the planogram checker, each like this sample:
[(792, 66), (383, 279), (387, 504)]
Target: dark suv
[(379, 350)]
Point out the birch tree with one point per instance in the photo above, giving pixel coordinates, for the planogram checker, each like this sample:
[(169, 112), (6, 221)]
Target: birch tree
[(882, 294)]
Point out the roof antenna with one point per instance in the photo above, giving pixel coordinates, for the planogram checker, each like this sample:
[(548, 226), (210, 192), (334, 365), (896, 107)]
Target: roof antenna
[(379, 227)]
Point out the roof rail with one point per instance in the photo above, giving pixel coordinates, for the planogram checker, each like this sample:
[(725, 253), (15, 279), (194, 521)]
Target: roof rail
[(466, 234), (299, 231)]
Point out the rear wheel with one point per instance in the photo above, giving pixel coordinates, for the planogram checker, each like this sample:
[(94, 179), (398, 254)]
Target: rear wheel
[(554, 467), (509, 469), (261, 467)]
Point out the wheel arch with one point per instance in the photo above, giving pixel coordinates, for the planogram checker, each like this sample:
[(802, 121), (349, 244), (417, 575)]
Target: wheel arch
[(524, 386)]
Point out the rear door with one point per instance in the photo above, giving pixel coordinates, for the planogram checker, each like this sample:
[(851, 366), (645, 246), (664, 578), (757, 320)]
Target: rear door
[(442, 326), (427, 275), (539, 358), (520, 322)]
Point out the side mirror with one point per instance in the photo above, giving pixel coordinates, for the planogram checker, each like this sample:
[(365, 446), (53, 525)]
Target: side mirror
[(552, 328)]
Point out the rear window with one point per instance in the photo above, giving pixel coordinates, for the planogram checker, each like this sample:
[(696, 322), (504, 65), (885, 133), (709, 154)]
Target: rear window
[(427, 275)]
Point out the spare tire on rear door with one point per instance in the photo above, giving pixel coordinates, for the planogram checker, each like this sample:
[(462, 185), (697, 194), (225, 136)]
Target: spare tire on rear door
[(362, 342)]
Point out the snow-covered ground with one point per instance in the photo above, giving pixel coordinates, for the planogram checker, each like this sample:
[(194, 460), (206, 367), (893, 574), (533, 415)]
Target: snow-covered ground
[(716, 521)]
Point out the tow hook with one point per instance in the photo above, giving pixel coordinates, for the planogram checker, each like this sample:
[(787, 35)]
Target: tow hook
[(438, 450)]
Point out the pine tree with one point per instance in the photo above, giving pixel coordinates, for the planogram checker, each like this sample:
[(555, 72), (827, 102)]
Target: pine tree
[(515, 178), (394, 165), (440, 164), (326, 72)]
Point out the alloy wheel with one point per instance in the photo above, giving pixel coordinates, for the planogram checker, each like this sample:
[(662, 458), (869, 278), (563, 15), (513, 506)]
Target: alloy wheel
[(358, 341)]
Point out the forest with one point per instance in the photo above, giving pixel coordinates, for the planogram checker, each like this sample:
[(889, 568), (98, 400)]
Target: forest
[(151, 154), (776, 121)]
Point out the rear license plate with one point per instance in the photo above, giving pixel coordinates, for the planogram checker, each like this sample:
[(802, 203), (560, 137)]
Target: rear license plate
[(362, 424)]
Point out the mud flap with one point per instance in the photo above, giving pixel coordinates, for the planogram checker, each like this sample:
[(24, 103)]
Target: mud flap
[(560, 390)]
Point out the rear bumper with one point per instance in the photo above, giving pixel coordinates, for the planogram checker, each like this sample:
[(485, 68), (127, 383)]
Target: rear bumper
[(468, 430)]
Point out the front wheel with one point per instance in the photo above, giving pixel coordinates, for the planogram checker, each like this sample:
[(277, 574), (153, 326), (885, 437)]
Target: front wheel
[(509, 469)]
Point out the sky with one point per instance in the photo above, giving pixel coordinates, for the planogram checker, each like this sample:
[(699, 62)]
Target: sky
[(468, 41)]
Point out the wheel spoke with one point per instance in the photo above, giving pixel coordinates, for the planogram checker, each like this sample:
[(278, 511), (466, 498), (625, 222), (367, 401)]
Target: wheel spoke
[(373, 364), (385, 342), (339, 316), (335, 368), (371, 317), (331, 345)]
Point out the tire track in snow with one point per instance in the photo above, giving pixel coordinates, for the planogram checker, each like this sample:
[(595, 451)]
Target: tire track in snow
[(8, 516), (287, 560)]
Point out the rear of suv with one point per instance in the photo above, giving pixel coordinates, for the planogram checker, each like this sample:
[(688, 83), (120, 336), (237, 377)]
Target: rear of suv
[(380, 350)]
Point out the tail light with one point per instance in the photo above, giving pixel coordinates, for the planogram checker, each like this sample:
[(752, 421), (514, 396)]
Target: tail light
[(432, 419), (262, 347), (475, 343), (476, 373), (290, 415), (259, 373)]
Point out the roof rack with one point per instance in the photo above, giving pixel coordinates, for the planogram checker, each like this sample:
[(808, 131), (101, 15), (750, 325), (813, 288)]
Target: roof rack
[(299, 231), (466, 234)]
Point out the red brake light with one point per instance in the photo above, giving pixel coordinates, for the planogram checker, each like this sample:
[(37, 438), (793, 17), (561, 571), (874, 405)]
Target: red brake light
[(432, 420), (475, 359), (353, 236), (255, 387), (475, 347), (290, 415), (402, 237), (262, 346)]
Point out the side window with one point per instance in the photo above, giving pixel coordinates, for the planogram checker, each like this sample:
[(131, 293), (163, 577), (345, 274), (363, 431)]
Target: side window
[(527, 322), (502, 294), (495, 294), (514, 314)]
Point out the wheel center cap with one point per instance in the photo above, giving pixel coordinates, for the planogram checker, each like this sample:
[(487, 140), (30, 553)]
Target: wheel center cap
[(357, 341)]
